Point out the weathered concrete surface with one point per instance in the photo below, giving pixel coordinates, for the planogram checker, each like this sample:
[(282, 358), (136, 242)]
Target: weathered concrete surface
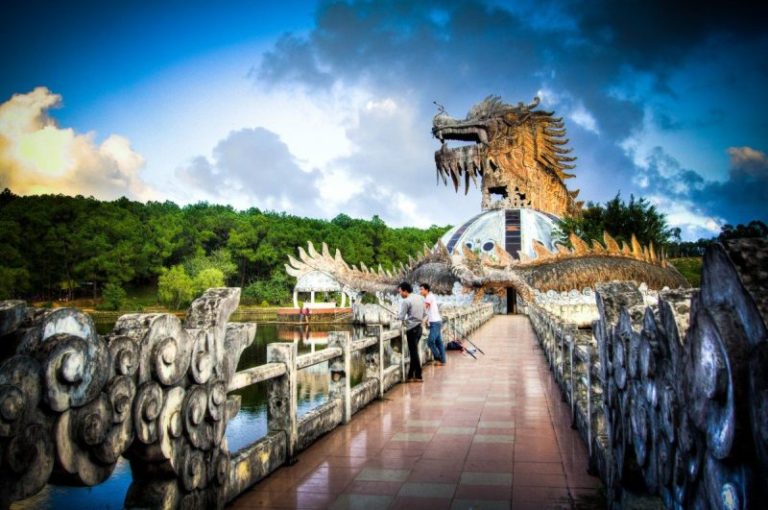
[(314, 358), (282, 404), (392, 376), (363, 343), (256, 375), (364, 393), (341, 369), (319, 421), (12, 313), (253, 463)]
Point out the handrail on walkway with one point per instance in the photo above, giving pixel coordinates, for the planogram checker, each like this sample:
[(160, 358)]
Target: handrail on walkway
[(287, 433)]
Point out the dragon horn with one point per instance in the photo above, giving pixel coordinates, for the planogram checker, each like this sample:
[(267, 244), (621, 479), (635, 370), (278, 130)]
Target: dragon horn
[(441, 248), (293, 272), (541, 251), (611, 244), (312, 251), (294, 263), (579, 246), (469, 254)]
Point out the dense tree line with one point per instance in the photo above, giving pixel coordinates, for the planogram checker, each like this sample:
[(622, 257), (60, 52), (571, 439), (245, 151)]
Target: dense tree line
[(55, 246), (622, 219)]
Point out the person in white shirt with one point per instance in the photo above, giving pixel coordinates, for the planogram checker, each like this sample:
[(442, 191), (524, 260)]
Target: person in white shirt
[(435, 339)]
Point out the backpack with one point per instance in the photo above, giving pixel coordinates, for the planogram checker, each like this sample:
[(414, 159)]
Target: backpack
[(454, 345)]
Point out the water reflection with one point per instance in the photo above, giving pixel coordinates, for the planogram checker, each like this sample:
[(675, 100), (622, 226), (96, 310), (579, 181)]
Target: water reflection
[(251, 423), (248, 426)]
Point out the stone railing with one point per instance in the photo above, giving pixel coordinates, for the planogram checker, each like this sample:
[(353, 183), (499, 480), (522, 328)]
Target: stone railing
[(672, 397), (288, 434), (157, 390), (580, 308)]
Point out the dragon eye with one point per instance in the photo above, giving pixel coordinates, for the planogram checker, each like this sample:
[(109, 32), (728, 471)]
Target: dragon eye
[(488, 245), (470, 245)]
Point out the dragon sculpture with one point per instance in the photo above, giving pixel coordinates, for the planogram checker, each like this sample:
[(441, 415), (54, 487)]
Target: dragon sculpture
[(518, 152), (519, 155)]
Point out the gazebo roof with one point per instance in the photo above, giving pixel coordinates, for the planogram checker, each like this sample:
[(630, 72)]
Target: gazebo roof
[(317, 281)]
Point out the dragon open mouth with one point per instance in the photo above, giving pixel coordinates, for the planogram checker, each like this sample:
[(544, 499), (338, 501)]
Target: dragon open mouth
[(466, 134), (468, 160)]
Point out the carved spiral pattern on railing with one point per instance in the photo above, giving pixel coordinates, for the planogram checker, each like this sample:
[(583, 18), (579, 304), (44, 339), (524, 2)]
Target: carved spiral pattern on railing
[(675, 400), (686, 410), (154, 390)]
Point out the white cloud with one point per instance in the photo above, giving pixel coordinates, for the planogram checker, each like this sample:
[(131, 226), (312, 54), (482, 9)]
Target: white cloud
[(571, 107), (387, 105), (685, 215), (37, 156), (584, 118), (549, 97)]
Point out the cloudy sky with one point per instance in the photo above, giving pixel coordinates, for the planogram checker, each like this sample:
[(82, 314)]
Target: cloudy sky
[(317, 108)]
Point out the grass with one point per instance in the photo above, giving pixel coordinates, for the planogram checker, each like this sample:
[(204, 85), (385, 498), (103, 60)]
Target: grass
[(690, 268)]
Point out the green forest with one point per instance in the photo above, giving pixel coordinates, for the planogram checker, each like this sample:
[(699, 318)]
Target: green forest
[(55, 247)]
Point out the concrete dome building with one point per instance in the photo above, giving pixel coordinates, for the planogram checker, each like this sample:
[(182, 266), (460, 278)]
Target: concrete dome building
[(513, 230)]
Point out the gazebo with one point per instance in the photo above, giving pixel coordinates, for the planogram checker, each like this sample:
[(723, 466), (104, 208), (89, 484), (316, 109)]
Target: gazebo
[(317, 281)]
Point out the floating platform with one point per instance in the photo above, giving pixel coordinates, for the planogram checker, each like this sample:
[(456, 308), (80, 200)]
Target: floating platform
[(314, 311)]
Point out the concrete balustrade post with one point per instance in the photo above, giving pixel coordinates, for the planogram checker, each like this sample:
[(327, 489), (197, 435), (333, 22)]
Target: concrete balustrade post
[(403, 349), (282, 398), (380, 345), (341, 384), (589, 398)]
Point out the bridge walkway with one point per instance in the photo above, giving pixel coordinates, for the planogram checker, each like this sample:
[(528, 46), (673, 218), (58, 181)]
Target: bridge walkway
[(483, 434)]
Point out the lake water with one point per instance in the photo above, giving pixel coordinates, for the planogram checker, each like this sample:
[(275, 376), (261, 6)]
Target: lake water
[(248, 426)]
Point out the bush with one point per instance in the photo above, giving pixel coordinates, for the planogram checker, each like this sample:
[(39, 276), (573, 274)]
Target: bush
[(273, 291), (113, 296), (175, 288), (221, 260), (13, 282), (207, 279), (690, 268)]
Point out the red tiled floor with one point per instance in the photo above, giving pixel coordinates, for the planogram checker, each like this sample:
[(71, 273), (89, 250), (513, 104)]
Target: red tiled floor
[(493, 492), (372, 487), (508, 397), (439, 471), (409, 503)]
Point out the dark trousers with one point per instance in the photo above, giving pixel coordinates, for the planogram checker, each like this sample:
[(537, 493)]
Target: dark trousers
[(414, 335)]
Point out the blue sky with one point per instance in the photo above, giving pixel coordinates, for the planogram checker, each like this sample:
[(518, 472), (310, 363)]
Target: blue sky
[(318, 108)]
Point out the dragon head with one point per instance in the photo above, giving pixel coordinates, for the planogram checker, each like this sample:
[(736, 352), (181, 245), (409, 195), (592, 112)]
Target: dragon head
[(517, 151)]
